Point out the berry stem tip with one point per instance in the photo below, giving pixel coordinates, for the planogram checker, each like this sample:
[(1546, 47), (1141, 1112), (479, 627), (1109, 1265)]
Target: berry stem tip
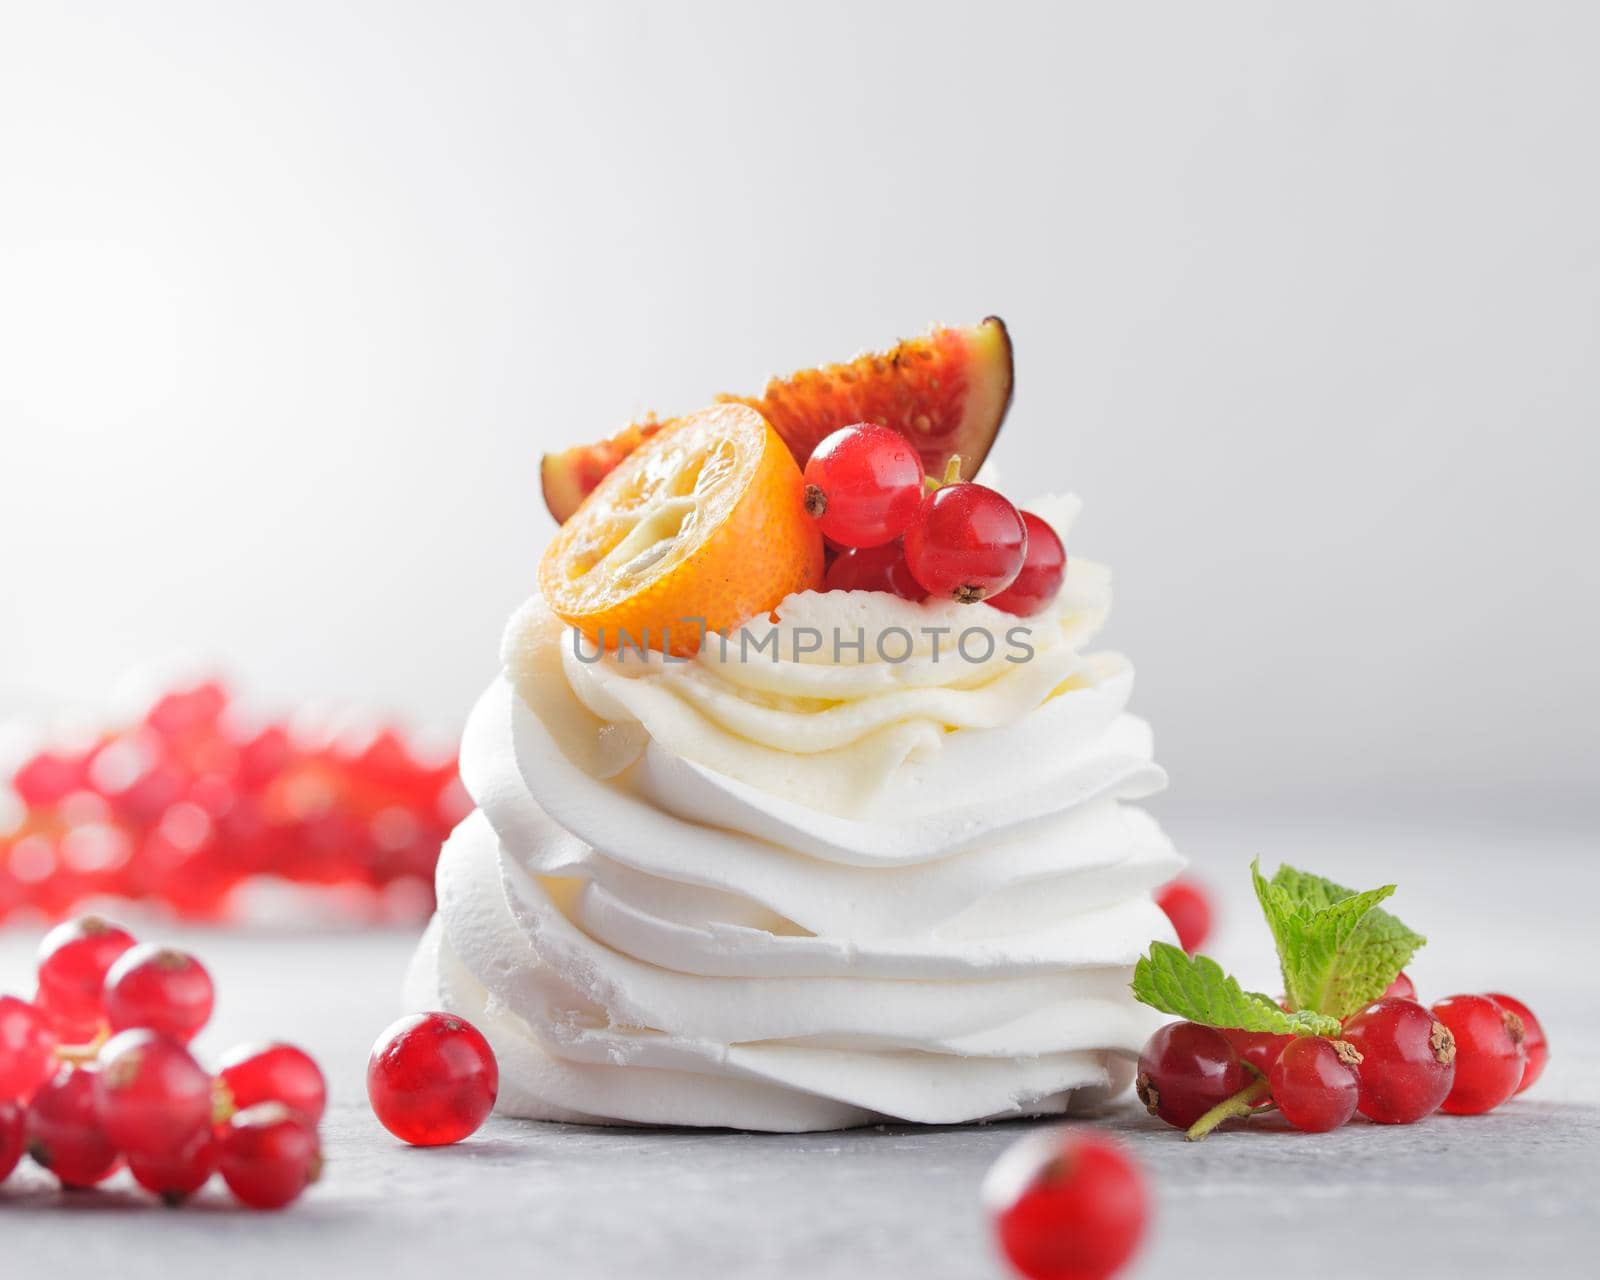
[(1238, 1106)]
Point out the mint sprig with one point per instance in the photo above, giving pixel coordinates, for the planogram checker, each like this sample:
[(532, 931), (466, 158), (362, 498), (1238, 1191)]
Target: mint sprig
[(1337, 949), (1196, 988)]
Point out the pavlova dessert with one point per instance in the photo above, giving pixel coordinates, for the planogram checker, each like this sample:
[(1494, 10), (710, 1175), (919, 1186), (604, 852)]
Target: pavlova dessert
[(800, 802)]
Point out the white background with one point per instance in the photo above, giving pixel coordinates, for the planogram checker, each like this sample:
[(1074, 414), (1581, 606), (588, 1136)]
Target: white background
[(1305, 301)]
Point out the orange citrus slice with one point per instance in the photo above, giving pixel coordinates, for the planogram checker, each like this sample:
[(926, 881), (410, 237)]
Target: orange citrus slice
[(703, 525)]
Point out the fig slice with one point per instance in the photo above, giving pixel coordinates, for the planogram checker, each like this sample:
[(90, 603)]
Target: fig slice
[(947, 392), (568, 477)]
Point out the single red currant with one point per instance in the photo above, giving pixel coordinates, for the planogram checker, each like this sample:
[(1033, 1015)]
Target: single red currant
[(1408, 1060), (264, 756), (1185, 1070), (269, 1155), (1259, 1048), (48, 778), (160, 988), (874, 569), (151, 1096), (13, 1138), (1314, 1083), (256, 1073), (1490, 1058), (178, 1176), (1534, 1043), (136, 774), (73, 960), (1044, 568), (64, 1133), (27, 1049), (1188, 906), (967, 543), (187, 712), (1401, 988), (1066, 1205), (864, 485), (432, 1079)]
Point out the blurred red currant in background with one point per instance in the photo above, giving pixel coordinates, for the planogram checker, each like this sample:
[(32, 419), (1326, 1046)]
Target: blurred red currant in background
[(1066, 1204), (1188, 906)]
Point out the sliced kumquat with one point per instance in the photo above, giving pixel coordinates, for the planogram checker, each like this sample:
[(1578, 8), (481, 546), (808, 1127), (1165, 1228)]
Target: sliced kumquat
[(703, 526)]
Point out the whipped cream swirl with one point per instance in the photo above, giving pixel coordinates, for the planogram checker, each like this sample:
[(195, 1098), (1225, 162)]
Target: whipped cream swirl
[(789, 886)]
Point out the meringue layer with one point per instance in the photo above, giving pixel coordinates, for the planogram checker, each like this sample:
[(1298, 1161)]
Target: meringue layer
[(807, 891)]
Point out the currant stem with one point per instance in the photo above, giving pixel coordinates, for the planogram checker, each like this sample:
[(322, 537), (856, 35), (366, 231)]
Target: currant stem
[(1241, 1104), (79, 1053), (223, 1105)]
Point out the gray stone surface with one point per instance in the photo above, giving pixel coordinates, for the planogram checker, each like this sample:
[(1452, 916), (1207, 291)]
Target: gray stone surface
[(1509, 1194)]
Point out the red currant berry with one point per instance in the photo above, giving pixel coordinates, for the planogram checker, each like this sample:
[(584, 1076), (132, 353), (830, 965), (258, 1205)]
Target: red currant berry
[(1188, 906), (151, 1096), (137, 776), (1534, 1043), (178, 1176), (864, 485), (263, 757), (64, 1133), (1185, 1070), (967, 543), (159, 988), (1043, 570), (256, 1073), (1400, 989), (432, 1079), (1314, 1083), (874, 569), (48, 778), (1408, 1060), (1490, 1058), (187, 712), (1066, 1205), (27, 1049), (73, 960), (1259, 1048), (13, 1140), (269, 1155)]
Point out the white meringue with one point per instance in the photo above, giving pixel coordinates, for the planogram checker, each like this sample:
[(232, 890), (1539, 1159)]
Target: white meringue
[(798, 891)]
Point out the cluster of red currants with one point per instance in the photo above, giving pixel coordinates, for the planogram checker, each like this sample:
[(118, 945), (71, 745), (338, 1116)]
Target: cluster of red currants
[(95, 1072), (186, 806), (1395, 1061), (887, 532)]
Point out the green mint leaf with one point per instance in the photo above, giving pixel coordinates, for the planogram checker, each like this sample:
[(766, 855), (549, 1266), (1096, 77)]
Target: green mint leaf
[(1196, 988), (1309, 890), (1337, 949), (1283, 919), (1334, 953)]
